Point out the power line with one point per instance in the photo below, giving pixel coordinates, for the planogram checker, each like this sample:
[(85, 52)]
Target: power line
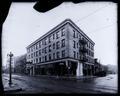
[(104, 27), (91, 14)]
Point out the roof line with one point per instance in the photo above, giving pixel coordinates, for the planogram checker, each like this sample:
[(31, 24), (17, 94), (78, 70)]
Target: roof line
[(81, 30), (49, 32), (58, 26)]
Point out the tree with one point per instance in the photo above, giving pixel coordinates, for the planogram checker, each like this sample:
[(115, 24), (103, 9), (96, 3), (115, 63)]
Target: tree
[(20, 64)]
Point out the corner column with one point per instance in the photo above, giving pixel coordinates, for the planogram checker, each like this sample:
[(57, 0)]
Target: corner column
[(30, 71), (79, 70), (33, 70)]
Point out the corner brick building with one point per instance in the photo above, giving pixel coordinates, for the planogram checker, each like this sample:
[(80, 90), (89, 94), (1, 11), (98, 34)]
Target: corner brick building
[(64, 50)]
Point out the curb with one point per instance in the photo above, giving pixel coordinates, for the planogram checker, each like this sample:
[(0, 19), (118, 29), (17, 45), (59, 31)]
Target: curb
[(66, 78), (13, 90)]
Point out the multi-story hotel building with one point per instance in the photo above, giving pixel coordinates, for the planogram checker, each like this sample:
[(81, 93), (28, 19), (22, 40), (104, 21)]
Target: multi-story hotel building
[(64, 50)]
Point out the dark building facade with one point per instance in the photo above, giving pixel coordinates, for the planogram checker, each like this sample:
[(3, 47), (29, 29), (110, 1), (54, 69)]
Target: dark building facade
[(64, 50)]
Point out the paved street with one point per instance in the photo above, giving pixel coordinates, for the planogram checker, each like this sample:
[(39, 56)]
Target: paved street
[(43, 84)]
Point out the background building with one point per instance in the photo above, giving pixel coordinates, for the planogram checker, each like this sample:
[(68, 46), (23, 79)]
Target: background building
[(20, 64), (7, 65), (64, 50)]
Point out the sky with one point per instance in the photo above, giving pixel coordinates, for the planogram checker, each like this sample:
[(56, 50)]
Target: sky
[(98, 20)]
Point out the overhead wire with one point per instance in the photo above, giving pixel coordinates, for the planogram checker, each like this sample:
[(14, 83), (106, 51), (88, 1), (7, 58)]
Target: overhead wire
[(101, 28), (97, 10)]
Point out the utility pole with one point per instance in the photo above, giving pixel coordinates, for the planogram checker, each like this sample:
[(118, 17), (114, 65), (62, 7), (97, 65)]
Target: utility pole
[(10, 68)]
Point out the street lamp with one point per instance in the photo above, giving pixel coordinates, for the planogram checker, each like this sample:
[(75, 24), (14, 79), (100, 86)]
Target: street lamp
[(10, 71)]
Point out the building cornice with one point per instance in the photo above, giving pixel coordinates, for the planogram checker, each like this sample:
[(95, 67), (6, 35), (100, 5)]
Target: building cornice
[(66, 21), (49, 32)]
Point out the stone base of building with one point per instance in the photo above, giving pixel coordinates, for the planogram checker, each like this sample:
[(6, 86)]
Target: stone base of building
[(61, 68)]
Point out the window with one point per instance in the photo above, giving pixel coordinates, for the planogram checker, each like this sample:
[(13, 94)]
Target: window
[(74, 53), (28, 50), (53, 36), (45, 41), (92, 54), (42, 42), (31, 49), (81, 57), (77, 55), (45, 49), (40, 59), (45, 58), (77, 45), (28, 56), (58, 55), (74, 44), (39, 52), (53, 55), (88, 52), (63, 53), (36, 46), (63, 43), (92, 47), (53, 45), (36, 60), (49, 56), (89, 45), (77, 35), (39, 44), (63, 32), (32, 55), (49, 48), (49, 39), (57, 35), (57, 44), (74, 33), (36, 53)]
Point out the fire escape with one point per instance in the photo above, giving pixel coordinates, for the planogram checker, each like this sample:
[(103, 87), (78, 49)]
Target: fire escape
[(83, 52)]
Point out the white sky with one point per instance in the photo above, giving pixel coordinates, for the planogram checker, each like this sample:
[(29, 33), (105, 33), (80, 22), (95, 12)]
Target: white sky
[(98, 20)]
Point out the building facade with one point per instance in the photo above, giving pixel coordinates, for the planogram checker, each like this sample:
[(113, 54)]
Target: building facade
[(64, 50)]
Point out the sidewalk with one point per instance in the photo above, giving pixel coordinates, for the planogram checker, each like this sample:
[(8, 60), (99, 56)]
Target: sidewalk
[(67, 77), (61, 77), (13, 88)]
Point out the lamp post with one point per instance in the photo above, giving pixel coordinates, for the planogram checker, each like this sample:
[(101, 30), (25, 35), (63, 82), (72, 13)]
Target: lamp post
[(10, 71)]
